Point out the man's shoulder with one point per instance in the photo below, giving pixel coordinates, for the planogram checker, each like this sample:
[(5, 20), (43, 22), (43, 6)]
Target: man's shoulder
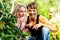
[(41, 16)]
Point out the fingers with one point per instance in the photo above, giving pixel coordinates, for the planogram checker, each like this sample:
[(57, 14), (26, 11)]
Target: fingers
[(29, 25), (35, 27)]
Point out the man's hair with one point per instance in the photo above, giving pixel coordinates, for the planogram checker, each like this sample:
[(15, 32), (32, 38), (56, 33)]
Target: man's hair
[(32, 5)]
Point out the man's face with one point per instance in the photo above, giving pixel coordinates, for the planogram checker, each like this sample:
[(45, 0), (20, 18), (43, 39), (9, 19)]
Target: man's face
[(21, 12), (32, 13)]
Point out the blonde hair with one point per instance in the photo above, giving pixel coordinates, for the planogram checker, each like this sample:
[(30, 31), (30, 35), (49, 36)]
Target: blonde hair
[(16, 9)]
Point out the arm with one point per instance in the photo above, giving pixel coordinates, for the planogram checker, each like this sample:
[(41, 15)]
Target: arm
[(44, 21)]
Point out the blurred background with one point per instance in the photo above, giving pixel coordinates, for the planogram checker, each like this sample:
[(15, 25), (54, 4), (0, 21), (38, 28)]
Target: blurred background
[(45, 8)]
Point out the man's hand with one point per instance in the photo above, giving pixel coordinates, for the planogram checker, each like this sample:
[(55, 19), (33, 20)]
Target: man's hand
[(29, 25), (37, 26)]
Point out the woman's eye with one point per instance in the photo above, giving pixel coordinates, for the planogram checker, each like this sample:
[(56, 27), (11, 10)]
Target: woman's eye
[(21, 11)]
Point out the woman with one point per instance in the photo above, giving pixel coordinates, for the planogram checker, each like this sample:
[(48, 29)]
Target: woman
[(20, 12)]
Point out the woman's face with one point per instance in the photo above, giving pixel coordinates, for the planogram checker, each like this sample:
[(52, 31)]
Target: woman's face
[(21, 12)]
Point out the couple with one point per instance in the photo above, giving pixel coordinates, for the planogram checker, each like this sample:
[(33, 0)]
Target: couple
[(38, 25)]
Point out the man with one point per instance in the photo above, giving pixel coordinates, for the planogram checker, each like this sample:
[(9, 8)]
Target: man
[(51, 13), (38, 25), (55, 19)]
